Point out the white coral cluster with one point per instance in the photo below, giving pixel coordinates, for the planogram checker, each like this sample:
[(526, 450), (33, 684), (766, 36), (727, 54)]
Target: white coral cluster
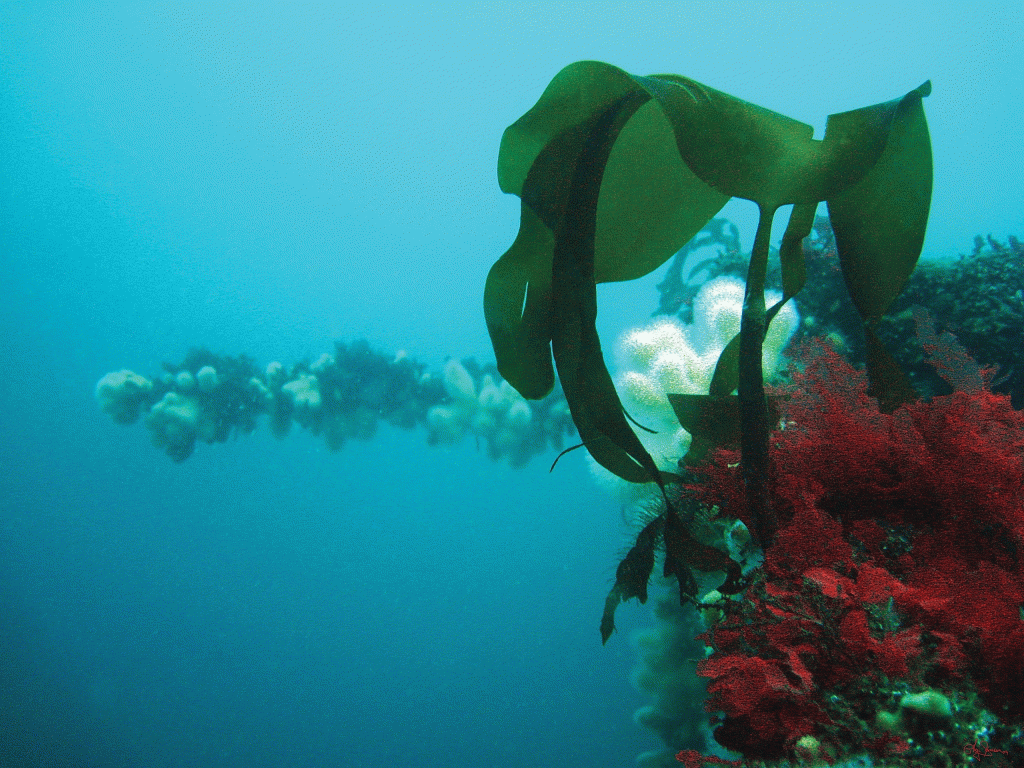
[(304, 394), (176, 422), (670, 357), (490, 410), (121, 395), (337, 402)]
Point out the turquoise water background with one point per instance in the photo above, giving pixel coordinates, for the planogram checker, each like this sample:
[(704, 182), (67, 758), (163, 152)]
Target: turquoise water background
[(265, 178)]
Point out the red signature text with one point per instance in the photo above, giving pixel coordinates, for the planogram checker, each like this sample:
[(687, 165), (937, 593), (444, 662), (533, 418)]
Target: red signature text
[(974, 750)]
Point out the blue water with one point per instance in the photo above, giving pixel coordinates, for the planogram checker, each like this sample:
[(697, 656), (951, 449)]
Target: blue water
[(263, 179)]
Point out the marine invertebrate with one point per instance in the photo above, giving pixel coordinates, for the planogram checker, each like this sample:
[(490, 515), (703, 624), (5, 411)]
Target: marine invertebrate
[(340, 396), (303, 394), (493, 412), (667, 356), (206, 378), (122, 394), (175, 422)]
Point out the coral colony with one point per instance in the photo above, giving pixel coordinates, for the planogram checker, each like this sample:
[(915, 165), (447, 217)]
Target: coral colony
[(668, 356), (840, 542), (341, 396)]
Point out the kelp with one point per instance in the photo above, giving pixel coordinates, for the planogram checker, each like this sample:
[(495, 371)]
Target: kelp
[(616, 172)]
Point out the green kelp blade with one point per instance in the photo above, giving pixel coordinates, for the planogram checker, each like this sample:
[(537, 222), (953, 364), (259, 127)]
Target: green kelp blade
[(727, 370), (743, 150), (632, 206), (713, 421), (537, 158), (887, 381), (650, 200), (651, 204), (791, 254), (517, 305), (589, 391), (739, 148), (879, 225), (879, 222)]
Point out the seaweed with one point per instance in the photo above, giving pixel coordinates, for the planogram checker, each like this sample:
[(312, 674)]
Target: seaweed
[(615, 173)]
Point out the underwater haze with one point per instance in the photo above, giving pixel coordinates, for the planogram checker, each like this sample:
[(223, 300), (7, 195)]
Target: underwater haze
[(267, 178)]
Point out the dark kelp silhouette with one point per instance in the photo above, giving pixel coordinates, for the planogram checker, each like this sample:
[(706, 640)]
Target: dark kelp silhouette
[(616, 173)]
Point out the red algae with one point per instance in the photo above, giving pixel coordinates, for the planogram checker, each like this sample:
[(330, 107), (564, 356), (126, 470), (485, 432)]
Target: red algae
[(896, 569)]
